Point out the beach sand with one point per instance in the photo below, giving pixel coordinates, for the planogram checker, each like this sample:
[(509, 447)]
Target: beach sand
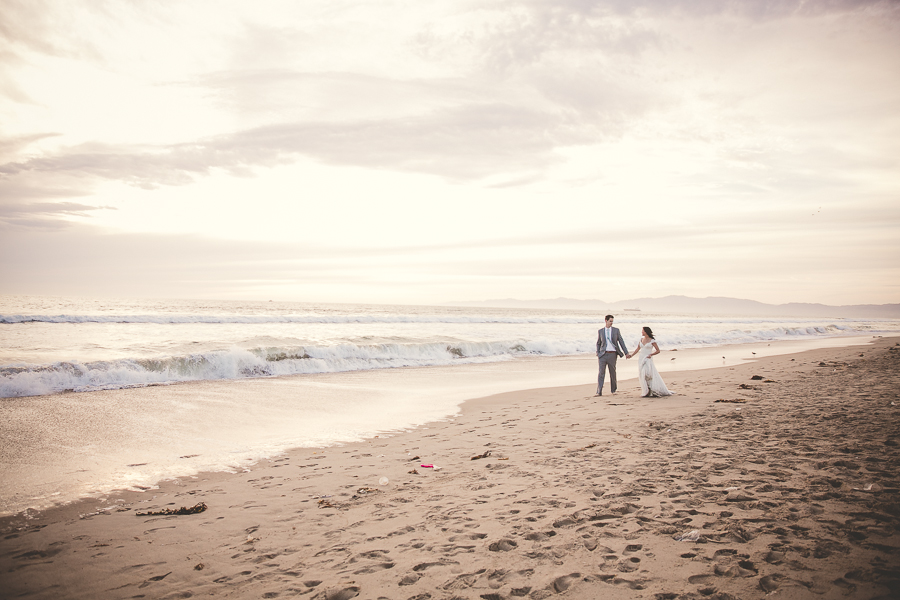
[(789, 482)]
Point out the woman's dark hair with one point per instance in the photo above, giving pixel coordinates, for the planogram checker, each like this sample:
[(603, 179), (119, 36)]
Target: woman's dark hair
[(649, 333)]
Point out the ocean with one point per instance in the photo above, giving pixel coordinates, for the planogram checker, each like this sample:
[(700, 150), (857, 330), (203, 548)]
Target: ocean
[(53, 345), (101, 394)]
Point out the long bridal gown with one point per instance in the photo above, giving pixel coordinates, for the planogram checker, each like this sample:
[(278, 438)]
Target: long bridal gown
[(651, 383)]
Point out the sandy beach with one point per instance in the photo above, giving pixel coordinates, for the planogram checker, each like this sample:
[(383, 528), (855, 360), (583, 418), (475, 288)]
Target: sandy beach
[(776, 478)]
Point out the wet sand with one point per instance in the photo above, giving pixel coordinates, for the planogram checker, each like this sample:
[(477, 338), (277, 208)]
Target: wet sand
[(784, 486)]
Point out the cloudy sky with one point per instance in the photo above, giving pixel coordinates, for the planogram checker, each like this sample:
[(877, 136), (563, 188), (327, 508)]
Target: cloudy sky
[(419, 152)]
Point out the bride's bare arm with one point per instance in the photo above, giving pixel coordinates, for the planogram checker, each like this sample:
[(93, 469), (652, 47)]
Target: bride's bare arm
[(655, 347)]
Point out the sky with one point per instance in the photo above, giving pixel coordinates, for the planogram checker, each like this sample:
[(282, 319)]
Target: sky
[(425, 152)]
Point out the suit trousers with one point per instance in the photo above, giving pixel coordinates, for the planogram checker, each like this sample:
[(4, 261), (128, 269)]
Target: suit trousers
[(607, 361)]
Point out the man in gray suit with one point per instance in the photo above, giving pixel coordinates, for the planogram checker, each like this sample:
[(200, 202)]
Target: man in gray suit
[(610, 346)]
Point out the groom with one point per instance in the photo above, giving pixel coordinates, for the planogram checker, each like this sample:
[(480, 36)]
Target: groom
[(610, 346)]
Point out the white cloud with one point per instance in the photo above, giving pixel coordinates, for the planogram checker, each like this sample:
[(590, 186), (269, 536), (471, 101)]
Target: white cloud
[(708, 145)]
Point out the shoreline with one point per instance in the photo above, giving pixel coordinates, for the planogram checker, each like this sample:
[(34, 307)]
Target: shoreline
[(577, 495), (448, 389)]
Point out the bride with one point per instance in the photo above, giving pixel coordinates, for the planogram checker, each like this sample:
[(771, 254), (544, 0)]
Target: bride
[(652, 384)]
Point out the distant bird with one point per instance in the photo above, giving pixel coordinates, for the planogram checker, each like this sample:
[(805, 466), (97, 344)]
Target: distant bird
[(673, 359), (753, 353)]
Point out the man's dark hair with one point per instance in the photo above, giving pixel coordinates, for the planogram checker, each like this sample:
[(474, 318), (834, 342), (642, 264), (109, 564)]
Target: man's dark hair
[(608, 317)]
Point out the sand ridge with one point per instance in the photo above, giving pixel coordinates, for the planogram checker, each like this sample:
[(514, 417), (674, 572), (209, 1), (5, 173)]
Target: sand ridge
[(788, 489)]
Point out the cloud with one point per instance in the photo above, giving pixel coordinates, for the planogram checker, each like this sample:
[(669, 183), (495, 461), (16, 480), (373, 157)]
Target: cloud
[(26, 23), (60, 28), (44, 215), (525, 79), (64, 208), (140, 165), (758, 9), (520, 33), (27, 200), (43, 27), (13, 190), (333, 95), (465, 142), (11, 146), (528, 32)]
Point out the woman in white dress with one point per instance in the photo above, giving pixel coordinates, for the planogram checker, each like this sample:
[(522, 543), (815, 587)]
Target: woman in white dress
[(652, 384)]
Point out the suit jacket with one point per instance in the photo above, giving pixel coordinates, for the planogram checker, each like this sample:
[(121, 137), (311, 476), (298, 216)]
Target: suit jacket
[(617, 341)]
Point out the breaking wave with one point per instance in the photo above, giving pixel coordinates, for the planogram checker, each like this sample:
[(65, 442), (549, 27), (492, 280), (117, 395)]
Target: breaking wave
[(237, 363)]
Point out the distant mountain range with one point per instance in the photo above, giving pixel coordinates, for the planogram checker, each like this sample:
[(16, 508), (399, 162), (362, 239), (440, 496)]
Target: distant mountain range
[(704, 306)]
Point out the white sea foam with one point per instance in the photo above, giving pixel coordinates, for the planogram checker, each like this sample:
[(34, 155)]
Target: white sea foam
[(236, 363)]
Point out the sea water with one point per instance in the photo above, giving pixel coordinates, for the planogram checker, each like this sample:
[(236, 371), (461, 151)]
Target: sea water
[(52, 345), (109, 394)]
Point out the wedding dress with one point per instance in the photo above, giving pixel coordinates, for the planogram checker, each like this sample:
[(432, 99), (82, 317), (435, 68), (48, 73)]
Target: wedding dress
[(651, 383)]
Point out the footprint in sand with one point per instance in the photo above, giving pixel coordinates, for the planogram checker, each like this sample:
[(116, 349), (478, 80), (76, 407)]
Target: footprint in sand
[(374, 568), (561, 584), (504, 545), (338, 594), (770, 583), (629, 565), (423, 566), (154, 579), (539, 536), (629, 583), (467, 536)]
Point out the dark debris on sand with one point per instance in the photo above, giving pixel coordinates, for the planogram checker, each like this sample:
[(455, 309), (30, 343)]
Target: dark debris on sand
[(193, 510)]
